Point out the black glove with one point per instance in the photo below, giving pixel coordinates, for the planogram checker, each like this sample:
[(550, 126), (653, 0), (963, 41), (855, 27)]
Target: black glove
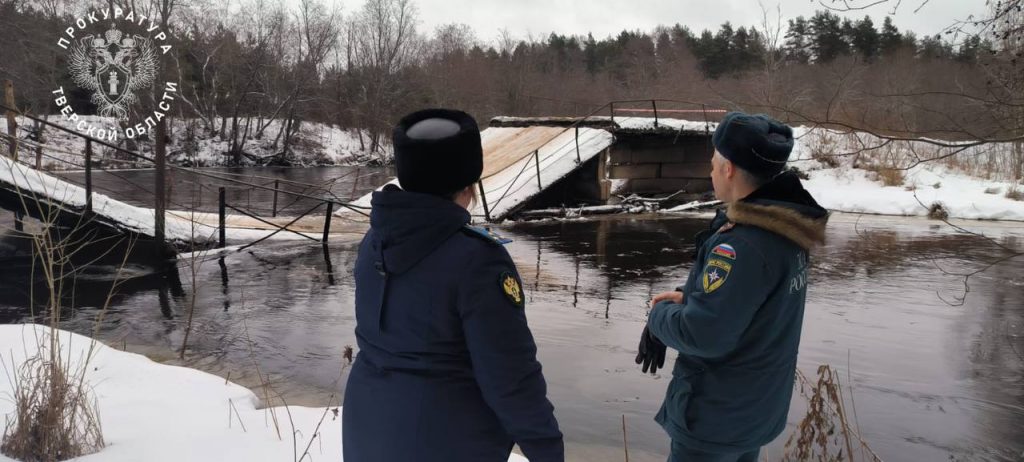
[(651, 352)]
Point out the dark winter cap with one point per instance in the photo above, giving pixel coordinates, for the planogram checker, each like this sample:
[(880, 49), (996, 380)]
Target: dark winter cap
[(755, 143), (437, 151)]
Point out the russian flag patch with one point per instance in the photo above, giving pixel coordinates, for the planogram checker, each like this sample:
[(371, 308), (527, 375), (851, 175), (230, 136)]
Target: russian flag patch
[(724, 250)]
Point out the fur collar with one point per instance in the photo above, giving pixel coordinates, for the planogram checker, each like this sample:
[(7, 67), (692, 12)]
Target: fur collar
[(805, 231)]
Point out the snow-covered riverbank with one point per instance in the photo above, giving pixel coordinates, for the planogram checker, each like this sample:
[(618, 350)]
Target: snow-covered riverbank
[(961, 196), (861, 173), (315, 144), (154, 412)]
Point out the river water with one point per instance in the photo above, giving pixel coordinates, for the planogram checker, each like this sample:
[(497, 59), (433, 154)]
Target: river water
[(931, 379)]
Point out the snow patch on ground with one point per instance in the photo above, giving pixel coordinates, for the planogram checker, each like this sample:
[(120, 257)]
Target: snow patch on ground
[(160, 413)]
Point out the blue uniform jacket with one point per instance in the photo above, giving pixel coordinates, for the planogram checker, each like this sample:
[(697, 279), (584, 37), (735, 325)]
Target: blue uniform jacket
[(447, 367), (738, 328)]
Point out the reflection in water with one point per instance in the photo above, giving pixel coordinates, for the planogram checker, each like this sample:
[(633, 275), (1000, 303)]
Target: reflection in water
[(931, 381), (327, 262), (224, 283)]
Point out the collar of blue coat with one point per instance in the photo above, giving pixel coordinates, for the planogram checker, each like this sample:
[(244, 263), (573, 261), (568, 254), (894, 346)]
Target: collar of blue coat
[(486, 234)]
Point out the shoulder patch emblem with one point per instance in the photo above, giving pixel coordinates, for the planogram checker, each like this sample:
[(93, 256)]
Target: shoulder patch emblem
[(510, 286), (487, 234), (724, 250), (715, 274)]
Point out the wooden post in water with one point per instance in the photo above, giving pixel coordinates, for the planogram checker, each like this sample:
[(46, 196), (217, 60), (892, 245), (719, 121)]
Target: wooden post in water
[(536, 157), (221, 212), (327, 221), (578, 159), (274, 211), (39, 144), (88, 175), (12, 122), (654, 104), (604, 184), (160, 189)]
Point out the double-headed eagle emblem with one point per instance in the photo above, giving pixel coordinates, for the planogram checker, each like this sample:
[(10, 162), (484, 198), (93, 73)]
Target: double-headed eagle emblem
[(113, 67)]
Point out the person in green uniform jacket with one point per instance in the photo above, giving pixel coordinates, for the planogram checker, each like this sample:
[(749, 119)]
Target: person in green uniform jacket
[(736, 321)]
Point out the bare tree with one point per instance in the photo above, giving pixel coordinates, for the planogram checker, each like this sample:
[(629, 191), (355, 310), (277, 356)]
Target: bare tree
[(267, 25), (384, 43), (319, 30)]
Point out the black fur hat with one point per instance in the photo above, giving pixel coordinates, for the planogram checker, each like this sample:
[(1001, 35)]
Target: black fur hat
[(437, 151)]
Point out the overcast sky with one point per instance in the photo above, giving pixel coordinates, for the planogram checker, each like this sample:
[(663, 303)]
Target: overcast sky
[(608, 17)]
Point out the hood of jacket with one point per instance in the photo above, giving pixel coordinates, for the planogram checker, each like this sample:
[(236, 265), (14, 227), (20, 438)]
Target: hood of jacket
[(408, 226)]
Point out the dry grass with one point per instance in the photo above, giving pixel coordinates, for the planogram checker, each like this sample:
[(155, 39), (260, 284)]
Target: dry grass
[(995, 161), (1015, 194), (56, 418), (891, 176), (825, 433), (800, 173), (937, 211), (824, 149)]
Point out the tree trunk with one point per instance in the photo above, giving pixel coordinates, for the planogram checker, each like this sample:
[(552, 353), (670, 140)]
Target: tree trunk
[(1018, 160)]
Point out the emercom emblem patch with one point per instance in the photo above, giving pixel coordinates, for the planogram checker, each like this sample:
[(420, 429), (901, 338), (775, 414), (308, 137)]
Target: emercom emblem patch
[(715, 274), (510, 285)]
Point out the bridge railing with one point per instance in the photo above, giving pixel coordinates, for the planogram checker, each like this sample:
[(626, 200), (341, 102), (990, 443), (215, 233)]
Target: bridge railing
[(274, 186)]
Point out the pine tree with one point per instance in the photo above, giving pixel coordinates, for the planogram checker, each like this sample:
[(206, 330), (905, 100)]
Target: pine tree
[(890, 38), (664, 48), (932, 47), (715, 52), (866, 39), (797, 47), (747, 50), (969, 50), (590, 55), (827, 38)]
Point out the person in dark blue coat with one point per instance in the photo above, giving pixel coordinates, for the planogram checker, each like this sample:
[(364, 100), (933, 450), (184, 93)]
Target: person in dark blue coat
[(447, 367), (736, 321)]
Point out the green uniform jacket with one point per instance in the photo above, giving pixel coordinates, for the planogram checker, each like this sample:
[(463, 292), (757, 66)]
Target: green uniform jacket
[(738, 328)]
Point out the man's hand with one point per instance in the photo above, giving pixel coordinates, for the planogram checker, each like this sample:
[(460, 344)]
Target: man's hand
[(651, 352), (675, 297)]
